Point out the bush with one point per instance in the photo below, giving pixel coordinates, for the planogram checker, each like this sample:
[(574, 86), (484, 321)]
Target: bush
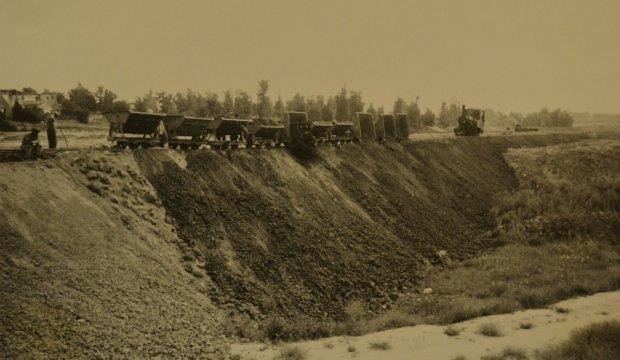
[(291, 353), (5, 125), (599, 341), (508, 353), (451, 331), (380, 345), (489, 329), (28, 114)]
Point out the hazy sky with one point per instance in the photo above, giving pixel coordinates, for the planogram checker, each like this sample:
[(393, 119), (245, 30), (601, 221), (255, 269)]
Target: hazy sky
[(510, 55)]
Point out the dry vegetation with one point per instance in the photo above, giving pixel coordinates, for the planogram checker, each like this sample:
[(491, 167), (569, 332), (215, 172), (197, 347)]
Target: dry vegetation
[(599, 341), (508, 353), (489, 329), (558, 234), (291, 353)]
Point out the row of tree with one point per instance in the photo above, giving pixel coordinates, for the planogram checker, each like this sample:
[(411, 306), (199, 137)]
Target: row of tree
[(544, 117), (339, 107), (80, 101)]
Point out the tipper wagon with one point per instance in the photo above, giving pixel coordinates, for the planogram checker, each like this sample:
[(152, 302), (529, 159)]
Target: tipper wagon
[(265, 135), (186, 131), (136, 129)]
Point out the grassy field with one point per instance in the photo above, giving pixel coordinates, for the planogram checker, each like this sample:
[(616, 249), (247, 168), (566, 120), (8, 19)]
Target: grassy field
[(557, 239)]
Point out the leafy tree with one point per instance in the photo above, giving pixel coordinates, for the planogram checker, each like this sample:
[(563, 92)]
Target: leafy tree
[(399, 106), (119, 105), (371, 110), (243, 104), (29, 90), (329, 109), (228, 103), (297, 103), (444, 115), (413, 114), (314, 107), (278, 108), (428, 118), (380, 110), (342, 105), (264, 108), (105, 99), (212, 107), (166, 103), (355, 103), (147, 103), (79, 103), (556, 118)]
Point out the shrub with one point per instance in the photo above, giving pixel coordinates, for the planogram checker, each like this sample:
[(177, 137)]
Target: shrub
[(5, 125), (489, 329), (451, 331), (526, 326), (380, 345), (599, 341), (508, 353), (291, 353)]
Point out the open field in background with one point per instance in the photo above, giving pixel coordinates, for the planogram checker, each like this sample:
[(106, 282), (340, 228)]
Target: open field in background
[(558, 232)]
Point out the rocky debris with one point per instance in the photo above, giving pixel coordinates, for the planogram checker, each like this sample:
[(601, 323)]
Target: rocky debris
[(358, 223)]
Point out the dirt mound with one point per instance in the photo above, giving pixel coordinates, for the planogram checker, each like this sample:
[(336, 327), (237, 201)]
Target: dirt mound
[(279, 237), (90, 269), (122, 254)]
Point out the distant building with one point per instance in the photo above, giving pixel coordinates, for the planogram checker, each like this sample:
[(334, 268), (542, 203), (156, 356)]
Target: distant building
[(44, 102)]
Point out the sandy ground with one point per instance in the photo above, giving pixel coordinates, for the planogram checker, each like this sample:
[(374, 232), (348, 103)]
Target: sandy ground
[(430, 342)]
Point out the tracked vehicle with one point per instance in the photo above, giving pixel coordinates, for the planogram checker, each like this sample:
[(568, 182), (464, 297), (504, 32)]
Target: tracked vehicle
[(470, 123)]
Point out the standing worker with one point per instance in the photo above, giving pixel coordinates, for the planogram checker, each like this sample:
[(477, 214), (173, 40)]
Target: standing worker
[(51, 130)]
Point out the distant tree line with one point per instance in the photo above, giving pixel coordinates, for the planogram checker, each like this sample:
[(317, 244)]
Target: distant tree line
[(79, 101), (544, 118)]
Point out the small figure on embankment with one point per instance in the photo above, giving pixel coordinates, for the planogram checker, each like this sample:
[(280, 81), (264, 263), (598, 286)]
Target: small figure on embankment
[(30, 144), (51, 130)]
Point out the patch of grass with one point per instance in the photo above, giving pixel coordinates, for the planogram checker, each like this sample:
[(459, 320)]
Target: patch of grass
[(489, 329), (451, 331), (380, 345), (598, 341), (561, 310), (526, 326), (291, 353), (459, 357), (508, 353)]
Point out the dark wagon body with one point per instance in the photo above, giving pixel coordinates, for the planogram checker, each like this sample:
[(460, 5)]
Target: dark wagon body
[(136, 129)]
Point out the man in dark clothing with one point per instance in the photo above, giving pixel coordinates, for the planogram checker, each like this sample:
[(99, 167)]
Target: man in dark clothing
[(30, 144), (51, 131)]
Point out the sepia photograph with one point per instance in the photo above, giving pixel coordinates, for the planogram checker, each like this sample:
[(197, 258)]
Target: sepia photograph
[(310, 180)]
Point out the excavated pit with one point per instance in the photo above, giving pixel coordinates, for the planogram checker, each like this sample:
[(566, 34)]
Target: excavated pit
[(138, 253), (359, 223)]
